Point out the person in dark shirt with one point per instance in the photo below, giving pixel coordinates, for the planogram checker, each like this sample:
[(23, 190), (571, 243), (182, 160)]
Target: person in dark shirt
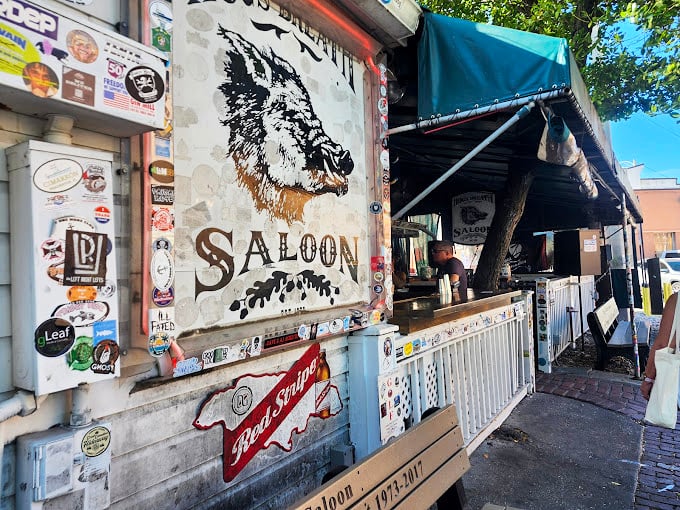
[(441, 257)]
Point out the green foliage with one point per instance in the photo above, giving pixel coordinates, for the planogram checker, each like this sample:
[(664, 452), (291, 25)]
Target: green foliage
[(629, 54)]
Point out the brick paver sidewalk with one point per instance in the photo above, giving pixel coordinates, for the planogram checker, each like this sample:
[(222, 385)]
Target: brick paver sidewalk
[(658, 484)]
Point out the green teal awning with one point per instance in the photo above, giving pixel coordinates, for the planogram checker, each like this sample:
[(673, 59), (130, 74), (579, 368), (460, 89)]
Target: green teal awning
[(463, 65)]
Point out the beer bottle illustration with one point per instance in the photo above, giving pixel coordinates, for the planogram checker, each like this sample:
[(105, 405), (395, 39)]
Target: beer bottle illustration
[(323, 386)]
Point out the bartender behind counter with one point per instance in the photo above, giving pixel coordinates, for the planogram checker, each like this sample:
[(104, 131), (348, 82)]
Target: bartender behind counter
[(441, 257)]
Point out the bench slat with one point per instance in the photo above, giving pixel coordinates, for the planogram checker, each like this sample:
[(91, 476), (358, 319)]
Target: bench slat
[(398, 486), (433, 442)]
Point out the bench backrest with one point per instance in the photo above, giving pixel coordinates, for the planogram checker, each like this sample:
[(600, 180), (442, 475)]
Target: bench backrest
[(607, 315), (412, 471)]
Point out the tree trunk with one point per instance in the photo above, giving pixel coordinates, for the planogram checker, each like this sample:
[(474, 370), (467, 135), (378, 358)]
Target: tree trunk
[(509, 210)]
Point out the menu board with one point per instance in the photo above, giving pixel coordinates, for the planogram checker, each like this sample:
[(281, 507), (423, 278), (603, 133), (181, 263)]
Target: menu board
[(57, 58)]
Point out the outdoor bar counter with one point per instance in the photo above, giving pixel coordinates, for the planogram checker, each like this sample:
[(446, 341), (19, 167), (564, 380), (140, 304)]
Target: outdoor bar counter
[(412, 314)]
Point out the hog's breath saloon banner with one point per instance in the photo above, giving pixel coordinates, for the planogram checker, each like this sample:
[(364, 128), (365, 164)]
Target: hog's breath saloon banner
[(271, 214)]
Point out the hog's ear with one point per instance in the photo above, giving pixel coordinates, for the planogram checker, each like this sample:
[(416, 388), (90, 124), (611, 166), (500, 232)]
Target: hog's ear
[(245, 61)]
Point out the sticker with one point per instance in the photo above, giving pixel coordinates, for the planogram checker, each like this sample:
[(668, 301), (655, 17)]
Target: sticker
[(385, 158), (58, 200), (383, 90), (162, 243), (161, 39), (82, 46), (82, 313), (108, 289), (336, 326), (162, 269), (283, 339), (102, 214), (382, 105), (104, 330), (163, 297), (56, 272), (77, 86), (40, 79), (162, 146), (54, 337), (95, 441), (377, 263), (144, 84), (52, 250), (303, 332), (346, 323), (81, 293), (115, 68), (158, 344), (58, 175), (378, 289), (186, 367), (85, 258), (162, 219), (379, 277), (95, 178), (323, 329), (104, 356), (64, 223), (164, 195), (375, 207), (162, 171), (377, 316), (80, 355), (408, 349)]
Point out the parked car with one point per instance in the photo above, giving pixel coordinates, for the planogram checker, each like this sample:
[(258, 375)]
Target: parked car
[(670, 272), (670, 254)]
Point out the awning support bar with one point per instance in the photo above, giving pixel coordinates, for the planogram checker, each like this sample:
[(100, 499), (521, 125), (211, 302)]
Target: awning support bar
[(513, 103), (522, 112)]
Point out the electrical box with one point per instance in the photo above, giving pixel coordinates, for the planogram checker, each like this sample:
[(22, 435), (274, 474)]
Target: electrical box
[(62, 461), (63, 259), (577, 253)]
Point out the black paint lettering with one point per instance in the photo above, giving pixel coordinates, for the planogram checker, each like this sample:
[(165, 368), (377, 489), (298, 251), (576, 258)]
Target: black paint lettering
[(328, 251)]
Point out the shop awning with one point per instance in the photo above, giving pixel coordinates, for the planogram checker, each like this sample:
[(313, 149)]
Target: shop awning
[(461, 81)]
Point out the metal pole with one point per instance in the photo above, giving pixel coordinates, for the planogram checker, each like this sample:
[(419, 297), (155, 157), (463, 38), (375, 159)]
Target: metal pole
[(522, 112), (629, 285)]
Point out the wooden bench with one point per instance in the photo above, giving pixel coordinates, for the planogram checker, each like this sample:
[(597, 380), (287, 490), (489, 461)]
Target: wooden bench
[(411, 472), (613, 337)]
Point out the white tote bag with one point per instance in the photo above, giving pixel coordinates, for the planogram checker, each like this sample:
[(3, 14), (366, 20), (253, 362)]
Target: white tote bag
[(662, 408)]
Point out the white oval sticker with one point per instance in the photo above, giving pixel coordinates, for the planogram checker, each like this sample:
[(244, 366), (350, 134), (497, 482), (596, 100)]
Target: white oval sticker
[(162, 269), (58, 175)]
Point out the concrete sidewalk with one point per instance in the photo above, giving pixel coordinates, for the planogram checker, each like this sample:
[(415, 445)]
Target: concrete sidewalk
[(578, 443)]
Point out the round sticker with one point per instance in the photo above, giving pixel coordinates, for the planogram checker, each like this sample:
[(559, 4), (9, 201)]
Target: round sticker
[(162, 243), (102, 214), (335, 326), (54, 337), (382, 105), (163, 297), (378, 277), (58, 175), (108, 289), (144, 84), (95, 441), (105, 355), (52, 250), (375, 207), (80, 356), (82, 46), (378, 289), (385, 158), (158, 344), (162, 219), (95, 179)]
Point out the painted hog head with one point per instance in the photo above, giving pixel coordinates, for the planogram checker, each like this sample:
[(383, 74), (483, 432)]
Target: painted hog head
[(283, 155)]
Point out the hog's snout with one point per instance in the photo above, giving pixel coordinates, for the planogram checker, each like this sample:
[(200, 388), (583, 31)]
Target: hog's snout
[(345, 163)]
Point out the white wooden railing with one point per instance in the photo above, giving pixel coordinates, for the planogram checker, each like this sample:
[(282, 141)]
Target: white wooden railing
[(562, 319)]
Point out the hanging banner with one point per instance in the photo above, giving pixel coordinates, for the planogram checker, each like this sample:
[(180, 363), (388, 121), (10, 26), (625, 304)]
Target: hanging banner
[(270, 166), (472, 215)]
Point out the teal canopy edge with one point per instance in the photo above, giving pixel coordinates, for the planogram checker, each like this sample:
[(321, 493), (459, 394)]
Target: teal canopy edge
[(463, 65)]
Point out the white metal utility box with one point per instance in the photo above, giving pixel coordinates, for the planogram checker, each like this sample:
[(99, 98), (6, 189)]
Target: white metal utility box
[(63, 266)]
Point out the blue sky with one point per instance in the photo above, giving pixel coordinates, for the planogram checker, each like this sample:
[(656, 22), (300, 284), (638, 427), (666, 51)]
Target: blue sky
[(652, 141)]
